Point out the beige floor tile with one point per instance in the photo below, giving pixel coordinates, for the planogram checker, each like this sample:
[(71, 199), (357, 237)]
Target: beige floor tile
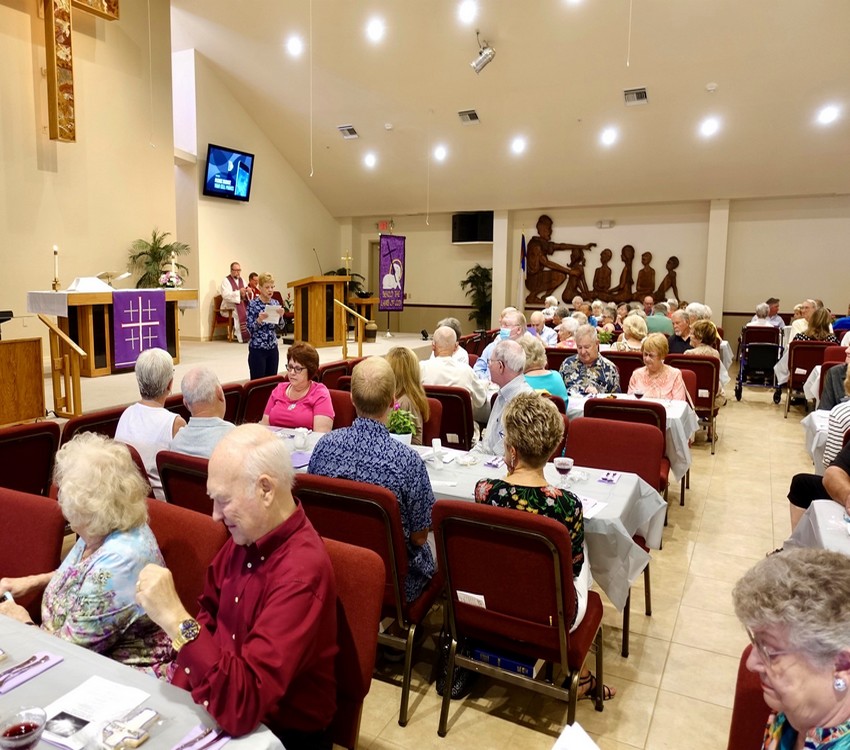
[(644, 664), (608, 744), (626, 718), (665, 608), (712, 563), (704, 675), (712, 631), (709, 594), (744, 544), (681, 722)]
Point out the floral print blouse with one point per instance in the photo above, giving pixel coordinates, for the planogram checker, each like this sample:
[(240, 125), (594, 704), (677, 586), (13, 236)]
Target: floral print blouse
[(92, 601), (780, 735), (263, 335)]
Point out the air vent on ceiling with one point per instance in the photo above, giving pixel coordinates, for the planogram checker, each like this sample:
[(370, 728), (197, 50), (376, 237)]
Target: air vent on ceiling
[(469, 117), (348, 132), (634, 97)]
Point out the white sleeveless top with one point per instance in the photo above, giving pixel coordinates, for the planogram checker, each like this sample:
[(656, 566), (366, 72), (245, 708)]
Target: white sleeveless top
[(148, 430)]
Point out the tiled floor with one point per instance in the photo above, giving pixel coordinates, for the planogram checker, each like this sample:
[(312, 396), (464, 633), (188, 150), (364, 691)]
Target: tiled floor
[(679, 680)]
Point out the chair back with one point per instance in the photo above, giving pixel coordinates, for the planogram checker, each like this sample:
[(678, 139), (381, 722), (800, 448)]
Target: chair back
[(457, 425), (707, 370), (627, 363), (26, 457), (529, 614), (689, 377), (232, 401), (175, 404), (255, 396), (140, 465), (555, 357), (344, 383), (365, 515), (641, 454), (104, 422), (641, 412), (557, 400), (188, 542), (749, 711), (433, 425), (802, 358), (184, 481), (467, 342), (835, 353), (359, 575), (471, 359), (30, 540), (220, 318), (560, 448), (329, 373), (760, 335), (344, 413)]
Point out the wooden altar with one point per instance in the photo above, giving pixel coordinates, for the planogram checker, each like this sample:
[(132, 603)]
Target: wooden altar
[(318, 321)]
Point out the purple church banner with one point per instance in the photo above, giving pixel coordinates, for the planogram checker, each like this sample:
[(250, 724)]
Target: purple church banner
[(391, 271), (138, 323)]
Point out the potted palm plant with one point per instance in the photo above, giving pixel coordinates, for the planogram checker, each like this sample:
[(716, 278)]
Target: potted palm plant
[(478, 286), (155, 259)]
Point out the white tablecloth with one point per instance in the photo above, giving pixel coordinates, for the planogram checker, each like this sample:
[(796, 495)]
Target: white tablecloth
[(812, 385), (821, 527), (682, 423), (726, 355), (174, 705), (816, 425), (632, 507)]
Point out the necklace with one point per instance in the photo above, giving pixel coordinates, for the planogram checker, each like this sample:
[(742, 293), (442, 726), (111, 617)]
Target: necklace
[(294, 396)]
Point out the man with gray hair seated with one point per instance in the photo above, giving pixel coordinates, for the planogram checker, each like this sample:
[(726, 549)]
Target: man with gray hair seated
[(444, 369), (548, 336), (588, 372), (658, 322), (680, 341), (147, 425), (204, 398), (507, 370), (772, 315), (460, 354), (513, 326)]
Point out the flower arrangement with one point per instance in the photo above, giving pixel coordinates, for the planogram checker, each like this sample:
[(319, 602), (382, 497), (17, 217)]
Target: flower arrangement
[(400, 421), (170, 280), (605, 337), (288, 302)]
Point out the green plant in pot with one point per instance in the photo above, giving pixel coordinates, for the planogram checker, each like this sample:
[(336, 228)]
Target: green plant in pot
[(155, 258), (356, 283), (478, 286), (401, 424)]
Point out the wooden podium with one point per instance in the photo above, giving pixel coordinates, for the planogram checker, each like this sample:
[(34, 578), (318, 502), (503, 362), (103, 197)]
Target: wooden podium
[(22, 385), (318, 321)]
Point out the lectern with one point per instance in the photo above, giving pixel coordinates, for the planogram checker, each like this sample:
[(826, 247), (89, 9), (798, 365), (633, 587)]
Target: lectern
[(318, 321)]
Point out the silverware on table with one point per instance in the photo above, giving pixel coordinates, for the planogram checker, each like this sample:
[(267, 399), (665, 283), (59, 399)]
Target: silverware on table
[(22, 668), (207, 738)]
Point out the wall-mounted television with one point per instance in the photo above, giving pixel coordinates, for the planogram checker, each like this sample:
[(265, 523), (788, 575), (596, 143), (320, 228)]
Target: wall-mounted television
[(228, 173)]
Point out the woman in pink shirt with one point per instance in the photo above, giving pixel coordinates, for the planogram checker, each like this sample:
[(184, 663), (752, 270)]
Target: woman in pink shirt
[(655, 379), (300, 402)]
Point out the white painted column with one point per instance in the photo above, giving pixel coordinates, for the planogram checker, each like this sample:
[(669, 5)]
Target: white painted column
[(715, 259), (502, 295)]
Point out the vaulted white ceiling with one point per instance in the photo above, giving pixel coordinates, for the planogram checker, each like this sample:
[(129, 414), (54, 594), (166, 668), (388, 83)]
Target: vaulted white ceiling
[(557, 79)]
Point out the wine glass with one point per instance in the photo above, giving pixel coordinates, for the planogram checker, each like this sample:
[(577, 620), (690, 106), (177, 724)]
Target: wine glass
[(563, 466), (638, 394)]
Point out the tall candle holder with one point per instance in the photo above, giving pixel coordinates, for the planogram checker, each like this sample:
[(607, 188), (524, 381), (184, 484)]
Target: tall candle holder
[(56, 285)]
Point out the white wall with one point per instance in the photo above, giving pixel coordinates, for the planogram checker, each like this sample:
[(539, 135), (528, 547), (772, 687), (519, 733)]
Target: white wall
[(115, 184)]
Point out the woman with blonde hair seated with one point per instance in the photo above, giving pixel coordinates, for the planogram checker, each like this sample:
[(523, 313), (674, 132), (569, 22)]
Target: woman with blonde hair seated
[(655, 379), (819, 329), (537, 375), (90, 599), (634, 332), (704, 341), (409, 394)]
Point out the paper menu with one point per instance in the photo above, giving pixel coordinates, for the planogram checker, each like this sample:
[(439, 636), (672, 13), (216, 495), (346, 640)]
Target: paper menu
[(273, 314)]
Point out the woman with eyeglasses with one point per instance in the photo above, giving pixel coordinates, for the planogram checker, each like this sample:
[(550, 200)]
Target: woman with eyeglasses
[(263, 354), (300, 401), (795, 606)]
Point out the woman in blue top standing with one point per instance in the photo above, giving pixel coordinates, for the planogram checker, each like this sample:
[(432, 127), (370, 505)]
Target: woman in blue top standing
[(263, 354)]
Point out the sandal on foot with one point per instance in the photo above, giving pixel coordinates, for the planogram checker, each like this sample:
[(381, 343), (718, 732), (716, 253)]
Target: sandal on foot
[(591, 686)]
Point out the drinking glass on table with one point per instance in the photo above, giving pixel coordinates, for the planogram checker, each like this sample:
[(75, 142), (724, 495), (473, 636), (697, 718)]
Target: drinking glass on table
[(563, 465), (638, 394)]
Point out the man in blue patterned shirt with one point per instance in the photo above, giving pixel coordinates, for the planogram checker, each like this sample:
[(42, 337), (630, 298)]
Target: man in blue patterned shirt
[(365, 452), (588, 372)]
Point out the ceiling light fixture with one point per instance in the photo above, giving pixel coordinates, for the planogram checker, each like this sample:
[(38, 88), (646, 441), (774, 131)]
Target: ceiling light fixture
[(370, 160), (709, 126), (294, 46), (485, 54), (518, 144), (375, 29), (828, 114), (608, 137), (467, 11), (440, 153)]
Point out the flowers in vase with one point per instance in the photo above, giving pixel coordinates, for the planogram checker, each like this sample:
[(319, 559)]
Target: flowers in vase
[(170, 280)]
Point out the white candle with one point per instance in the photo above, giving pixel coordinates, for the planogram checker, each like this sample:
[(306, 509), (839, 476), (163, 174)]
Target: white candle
[(172, 261), (56, 261)]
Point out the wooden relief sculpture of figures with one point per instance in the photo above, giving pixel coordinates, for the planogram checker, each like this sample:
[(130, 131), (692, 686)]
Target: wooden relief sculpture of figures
[(646, 277), (543, 275), (623, 291), (669, 281), (602, 277)]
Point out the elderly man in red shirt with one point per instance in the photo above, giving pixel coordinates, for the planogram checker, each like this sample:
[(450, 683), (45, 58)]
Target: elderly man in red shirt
[(263, 646)]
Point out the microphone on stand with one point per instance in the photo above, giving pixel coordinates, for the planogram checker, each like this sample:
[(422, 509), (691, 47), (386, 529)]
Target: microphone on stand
[(318, 262)]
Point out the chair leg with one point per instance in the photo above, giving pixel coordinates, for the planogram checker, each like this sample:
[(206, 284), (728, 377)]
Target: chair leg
[(405, 678), (713, 423), (600, 672), (688, 479), (788, 399), (647, 591), (573, 699), (447, 692), (682, 488), (626, 617)]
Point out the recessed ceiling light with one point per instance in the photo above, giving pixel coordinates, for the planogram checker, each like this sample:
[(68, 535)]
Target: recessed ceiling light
[(375, 29), (440, 153), (518, 144), (574, 2), (828, 114), (709, 126), (294, 45), (467, 11), (608, 136), (370, 160)]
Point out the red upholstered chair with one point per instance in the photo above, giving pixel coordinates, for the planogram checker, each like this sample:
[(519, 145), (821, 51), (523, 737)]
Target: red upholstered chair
[(188, 542), (367, 515), (555, 357), (641, 450), (220, 318), (802, 358), (344, 383), (184, 480), (140, 465), (707, 370), (344, 413), (255, 396), (232, 401), (467, 342), (329, 373), (627, 363), (360, 581), (472, 359), (527, 614), (560, 448), (30, 540), (557, 400), (835, 354), (175, 403), (749, 711), (26, 456), (433, 425), (457, 427), (104, 422)]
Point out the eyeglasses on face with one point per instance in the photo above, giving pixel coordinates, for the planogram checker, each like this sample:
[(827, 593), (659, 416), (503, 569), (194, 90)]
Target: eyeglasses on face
[(295, 369), (767, 655)]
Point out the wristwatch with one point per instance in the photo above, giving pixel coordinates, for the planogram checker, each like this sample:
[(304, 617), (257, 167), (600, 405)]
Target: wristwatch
[(187, 632)]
